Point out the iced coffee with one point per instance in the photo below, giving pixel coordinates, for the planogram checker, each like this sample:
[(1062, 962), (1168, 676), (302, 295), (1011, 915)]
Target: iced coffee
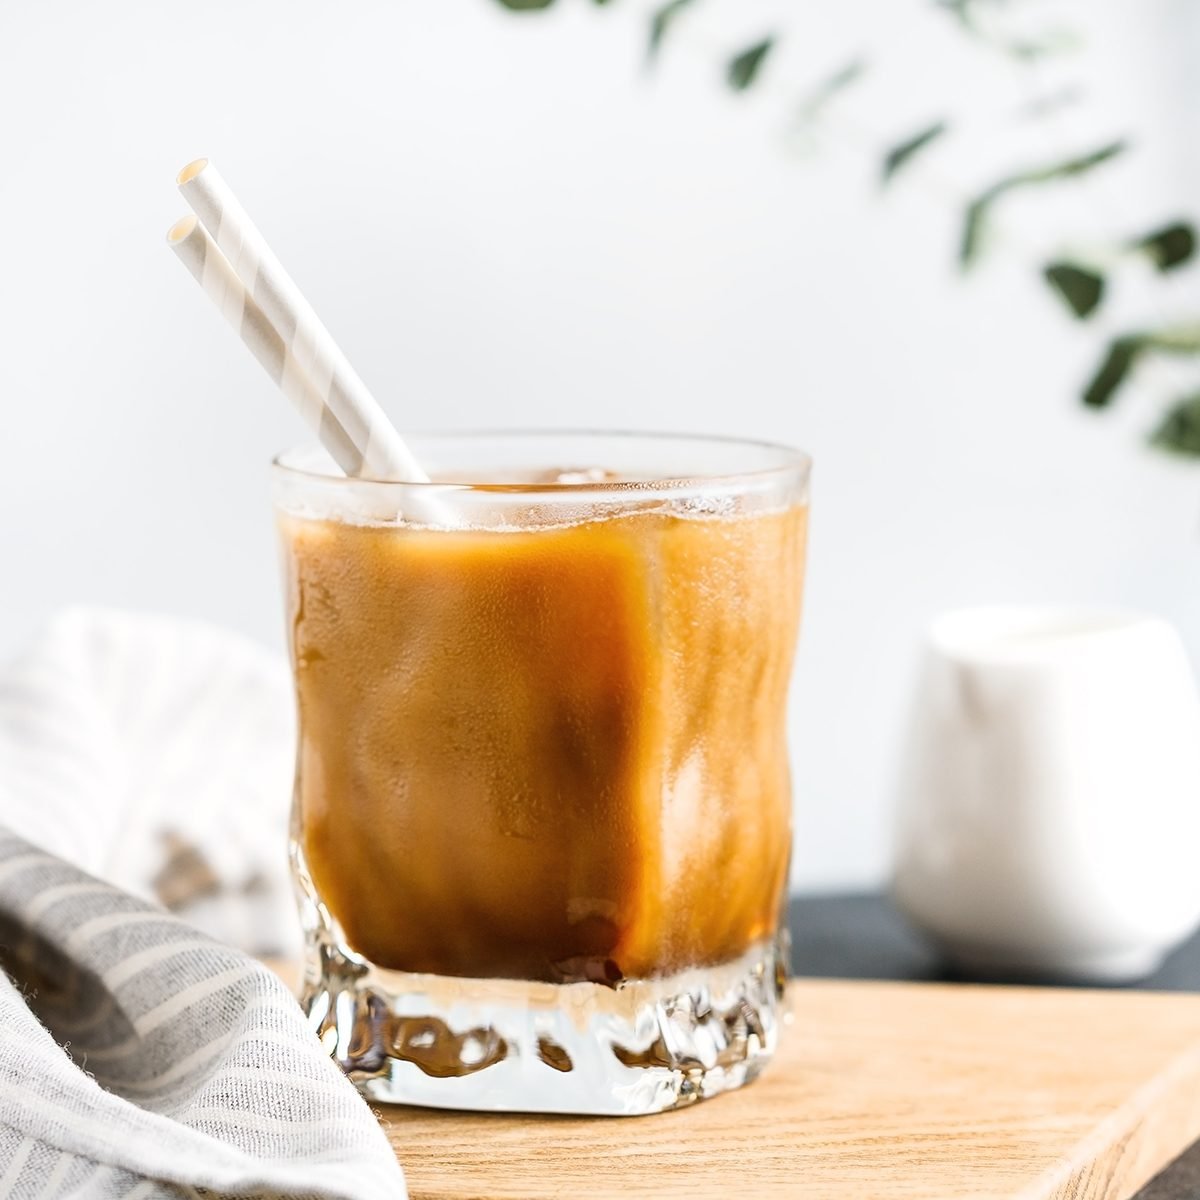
[(542, 743)]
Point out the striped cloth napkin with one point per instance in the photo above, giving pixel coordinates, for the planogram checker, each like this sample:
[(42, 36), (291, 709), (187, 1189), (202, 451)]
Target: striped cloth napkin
[(144, 762)]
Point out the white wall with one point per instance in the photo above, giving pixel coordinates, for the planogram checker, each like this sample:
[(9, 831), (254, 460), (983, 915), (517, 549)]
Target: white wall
[(504, 219)]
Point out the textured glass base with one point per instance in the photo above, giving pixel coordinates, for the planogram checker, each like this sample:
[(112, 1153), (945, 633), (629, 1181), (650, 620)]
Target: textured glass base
[(508, 1045)]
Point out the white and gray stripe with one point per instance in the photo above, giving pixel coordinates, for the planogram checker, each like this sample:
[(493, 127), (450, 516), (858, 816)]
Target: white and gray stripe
[(201, 255), (139, 1056), (313, 370), (265, 1113)]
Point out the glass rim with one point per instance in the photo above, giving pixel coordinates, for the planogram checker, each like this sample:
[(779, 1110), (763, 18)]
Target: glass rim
[(790, 463)]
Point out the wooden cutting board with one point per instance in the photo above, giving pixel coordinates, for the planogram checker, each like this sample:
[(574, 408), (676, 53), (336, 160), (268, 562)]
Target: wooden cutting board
[(881, 1091)]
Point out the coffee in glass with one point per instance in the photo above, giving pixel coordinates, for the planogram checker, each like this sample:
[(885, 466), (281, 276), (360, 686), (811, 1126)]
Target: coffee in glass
[(542, 813)]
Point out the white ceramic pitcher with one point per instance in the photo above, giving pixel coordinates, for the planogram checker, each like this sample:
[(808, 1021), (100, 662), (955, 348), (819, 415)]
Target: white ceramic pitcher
[(1049, 818)]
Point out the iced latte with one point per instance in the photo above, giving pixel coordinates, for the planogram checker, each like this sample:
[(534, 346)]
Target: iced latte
[(542, 762)]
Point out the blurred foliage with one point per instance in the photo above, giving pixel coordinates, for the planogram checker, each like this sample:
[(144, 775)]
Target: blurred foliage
[(660, 22), (899, 155), (1126, 351), (1118, 361), (814, 104), (970, 16), (1080, 285), (1169, 247), (743, 68), (1179, 430), (981, 206)]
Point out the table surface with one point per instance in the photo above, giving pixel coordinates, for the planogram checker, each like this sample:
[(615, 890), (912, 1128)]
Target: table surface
[(864, 937)]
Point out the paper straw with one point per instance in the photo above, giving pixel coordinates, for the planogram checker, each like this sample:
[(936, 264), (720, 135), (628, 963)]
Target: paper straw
[(199, 253), (312, 362)]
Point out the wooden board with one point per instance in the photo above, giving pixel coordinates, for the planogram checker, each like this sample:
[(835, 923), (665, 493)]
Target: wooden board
[(881, 1091)]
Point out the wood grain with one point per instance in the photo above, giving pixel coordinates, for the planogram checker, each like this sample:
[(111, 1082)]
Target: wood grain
[(882, 1090)]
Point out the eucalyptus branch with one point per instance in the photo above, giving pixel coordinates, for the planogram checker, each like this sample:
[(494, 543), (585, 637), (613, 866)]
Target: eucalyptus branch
[(1080, 281)]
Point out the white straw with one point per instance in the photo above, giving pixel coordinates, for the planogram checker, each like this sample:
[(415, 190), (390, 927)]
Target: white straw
[(312, 364), (217, 277)]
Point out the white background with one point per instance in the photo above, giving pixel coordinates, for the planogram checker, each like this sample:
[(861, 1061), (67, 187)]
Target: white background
[(506, 219)]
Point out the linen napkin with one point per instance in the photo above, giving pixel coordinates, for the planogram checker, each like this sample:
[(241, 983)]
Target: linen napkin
[(142, 758)]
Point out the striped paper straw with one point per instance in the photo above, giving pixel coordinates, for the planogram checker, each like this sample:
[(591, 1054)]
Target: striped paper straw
[(312, 363), (200, 254)]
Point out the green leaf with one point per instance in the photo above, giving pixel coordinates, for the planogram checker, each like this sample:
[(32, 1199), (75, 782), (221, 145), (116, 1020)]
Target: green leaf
[(1179, 430), (972, 235), (661, 21), (979, 208), (525, 5), (1176, 339), (1024, 49), (1122, 353), (744, 67), (899, 155), (813, 104), (1168, 247), (963, 10), (1069, 167), (1080, 287)]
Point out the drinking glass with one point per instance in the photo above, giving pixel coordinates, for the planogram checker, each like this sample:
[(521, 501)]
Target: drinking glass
[(541, 825)]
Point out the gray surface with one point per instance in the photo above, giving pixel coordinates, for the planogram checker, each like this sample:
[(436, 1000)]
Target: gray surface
[(864, 937)]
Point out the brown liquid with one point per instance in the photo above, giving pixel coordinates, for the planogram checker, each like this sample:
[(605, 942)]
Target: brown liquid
[(553, 754)]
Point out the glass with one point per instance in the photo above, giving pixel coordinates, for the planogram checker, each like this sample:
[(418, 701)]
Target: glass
[(541, 826)]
